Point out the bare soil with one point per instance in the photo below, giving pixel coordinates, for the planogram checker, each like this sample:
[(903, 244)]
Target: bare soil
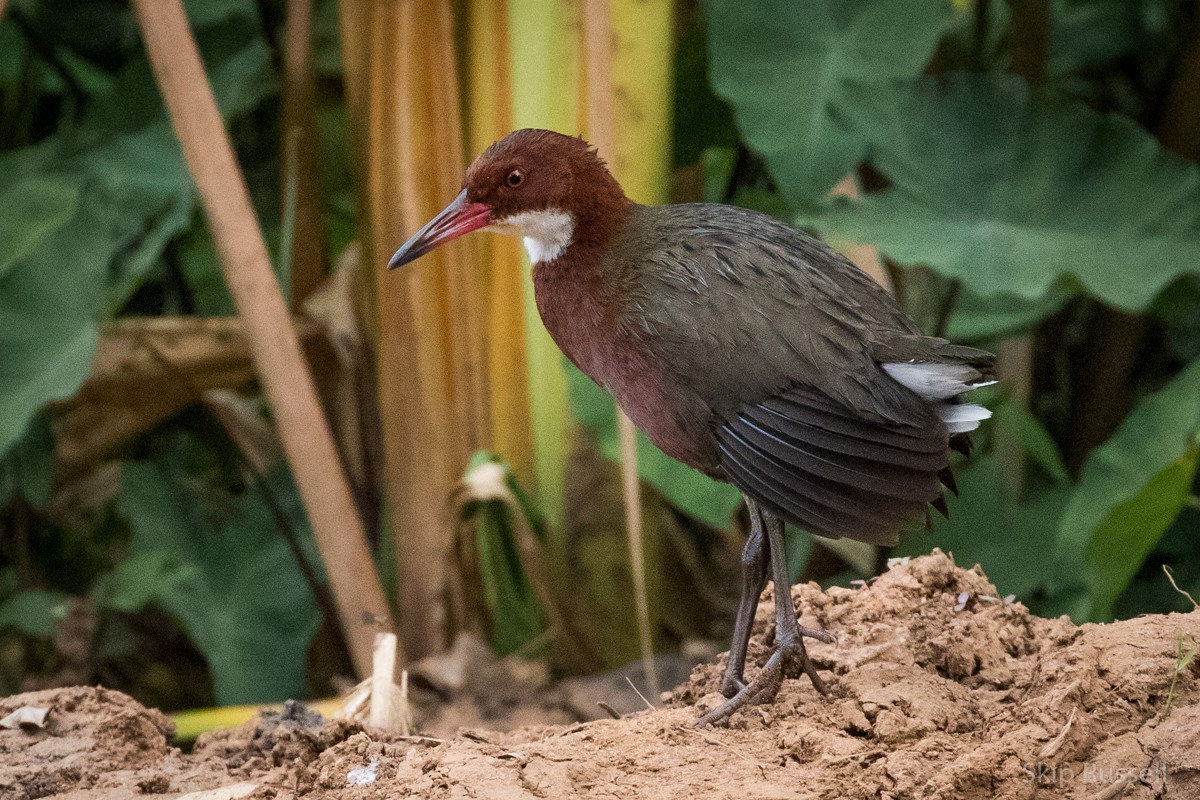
[(939, 689)]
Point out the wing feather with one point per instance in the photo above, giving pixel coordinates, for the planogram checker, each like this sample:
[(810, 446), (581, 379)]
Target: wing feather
[(838, 480)]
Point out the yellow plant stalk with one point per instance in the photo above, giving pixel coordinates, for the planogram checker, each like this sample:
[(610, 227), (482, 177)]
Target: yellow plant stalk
[(190, 724), (431, 397), (489, 110), (628, 55), (543, 39), (641, 77)]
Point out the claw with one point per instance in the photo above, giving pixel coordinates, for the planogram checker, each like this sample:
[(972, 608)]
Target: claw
[(766, 684)]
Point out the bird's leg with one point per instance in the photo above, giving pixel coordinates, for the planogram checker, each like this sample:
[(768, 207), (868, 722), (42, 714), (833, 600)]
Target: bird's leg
[(789, 653), (754, 577)]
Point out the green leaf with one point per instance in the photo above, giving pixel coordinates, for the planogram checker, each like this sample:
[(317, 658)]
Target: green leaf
[(1178, 309), (1013, 190), (785, 67), (49, 314), (93, 212), (208, 13), (1035, 440), (235, 585), (1127, 536), (513, 609), (34, 209), (976, 317), (143, 579), (34, 611), (29, 466), (716, 164), (1131, 489), (701, 121), (1086, 35), (1011, 541), (689, 490)]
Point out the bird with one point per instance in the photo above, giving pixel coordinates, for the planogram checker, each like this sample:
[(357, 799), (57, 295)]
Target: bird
[(743, 348)]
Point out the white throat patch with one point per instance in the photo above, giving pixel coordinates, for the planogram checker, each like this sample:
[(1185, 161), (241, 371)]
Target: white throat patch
[(547, 233)]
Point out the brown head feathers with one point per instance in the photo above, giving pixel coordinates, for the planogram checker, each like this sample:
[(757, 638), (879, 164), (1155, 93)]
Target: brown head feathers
[(536, 170)]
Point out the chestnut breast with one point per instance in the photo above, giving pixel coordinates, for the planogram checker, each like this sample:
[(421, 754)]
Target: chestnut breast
[(582, 299)]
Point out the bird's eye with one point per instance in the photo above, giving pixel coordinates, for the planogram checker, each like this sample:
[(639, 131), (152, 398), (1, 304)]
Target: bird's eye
[(515, 178)]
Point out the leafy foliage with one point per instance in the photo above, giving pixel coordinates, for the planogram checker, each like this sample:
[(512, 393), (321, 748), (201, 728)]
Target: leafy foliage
[(511, 603), (1070, 193), (92, 208), (786, 68), (1030, 203), (1130, 491), (1013, 541), (34, 611), (100, 219), (219, 564)]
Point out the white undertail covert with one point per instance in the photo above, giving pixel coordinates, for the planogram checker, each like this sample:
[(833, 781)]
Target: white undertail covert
[(940, 382)]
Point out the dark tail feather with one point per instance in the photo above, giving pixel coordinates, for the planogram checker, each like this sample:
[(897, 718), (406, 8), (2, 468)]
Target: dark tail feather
[(946, 476)]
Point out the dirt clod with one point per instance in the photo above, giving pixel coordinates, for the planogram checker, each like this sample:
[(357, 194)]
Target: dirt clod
[(939, 690)]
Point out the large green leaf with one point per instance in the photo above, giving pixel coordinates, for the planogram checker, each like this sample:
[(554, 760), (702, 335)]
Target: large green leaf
[(88, 214), (153, 576), (228, 576), (1177, 308), (1131, 531), (1131, 489), (1086, 35), (1014, 421), (34, 611), (1011, 541), (976, 317), (785, 66), (49, 308), (34, 209), (1011, 190)]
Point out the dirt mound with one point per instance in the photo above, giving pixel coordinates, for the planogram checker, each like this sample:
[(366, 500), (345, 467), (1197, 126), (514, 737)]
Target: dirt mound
[(938, 689), (91, 738), (291, 738)]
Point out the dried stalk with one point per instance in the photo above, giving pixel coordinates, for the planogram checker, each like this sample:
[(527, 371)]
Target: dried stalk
[(488, 86), (430, 316), (300, 152), (301, 425)]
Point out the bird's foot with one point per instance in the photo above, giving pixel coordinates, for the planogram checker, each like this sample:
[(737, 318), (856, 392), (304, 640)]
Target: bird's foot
[(733, 682), (789, 659)]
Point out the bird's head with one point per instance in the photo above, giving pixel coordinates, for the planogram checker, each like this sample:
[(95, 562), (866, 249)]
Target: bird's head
[(541, 185)]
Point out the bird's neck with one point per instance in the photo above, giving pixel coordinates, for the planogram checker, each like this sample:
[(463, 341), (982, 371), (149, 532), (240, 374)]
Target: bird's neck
[(579, 291)]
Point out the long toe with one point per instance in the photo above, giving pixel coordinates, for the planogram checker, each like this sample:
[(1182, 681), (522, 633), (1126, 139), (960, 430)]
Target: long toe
[(786, 660)]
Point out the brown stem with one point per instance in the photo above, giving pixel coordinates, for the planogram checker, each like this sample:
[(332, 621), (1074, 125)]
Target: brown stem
[(301, 426), (1030, 39), (1030, 42), (1109, 356), (1100, 394), (1177, 126), (946, 307), (299, 137)]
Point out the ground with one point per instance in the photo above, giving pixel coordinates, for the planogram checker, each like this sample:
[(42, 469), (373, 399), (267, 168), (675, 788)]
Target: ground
[(938, 689)]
